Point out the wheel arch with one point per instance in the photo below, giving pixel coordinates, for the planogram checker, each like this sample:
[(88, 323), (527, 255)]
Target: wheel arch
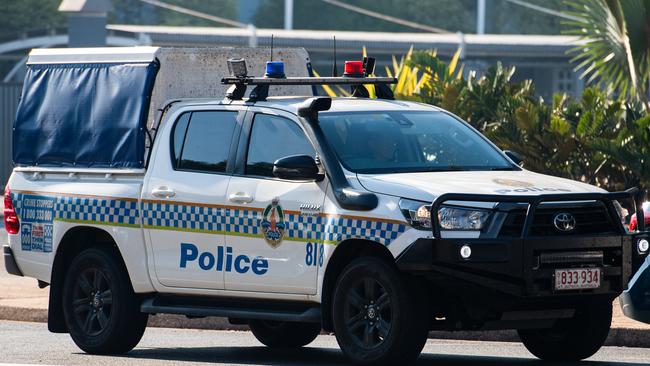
[(74, 241), (345, 252)]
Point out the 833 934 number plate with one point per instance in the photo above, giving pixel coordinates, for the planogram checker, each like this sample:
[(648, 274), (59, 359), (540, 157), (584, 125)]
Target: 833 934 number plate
[(577, 278)]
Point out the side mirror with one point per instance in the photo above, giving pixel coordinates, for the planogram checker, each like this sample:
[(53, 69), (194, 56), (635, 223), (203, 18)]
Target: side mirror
[(515, 157), (297, 167)]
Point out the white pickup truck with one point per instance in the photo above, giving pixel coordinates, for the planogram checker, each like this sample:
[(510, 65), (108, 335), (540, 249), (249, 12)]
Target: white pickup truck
[(375, 219)]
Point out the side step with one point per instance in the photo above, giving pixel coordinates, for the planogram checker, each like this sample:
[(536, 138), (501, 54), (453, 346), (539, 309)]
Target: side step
[(233, 308)]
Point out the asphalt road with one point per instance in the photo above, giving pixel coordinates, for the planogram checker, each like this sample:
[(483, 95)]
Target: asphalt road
[(31, 343)]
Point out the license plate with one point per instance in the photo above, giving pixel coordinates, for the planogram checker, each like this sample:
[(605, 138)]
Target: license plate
[(577, 278)]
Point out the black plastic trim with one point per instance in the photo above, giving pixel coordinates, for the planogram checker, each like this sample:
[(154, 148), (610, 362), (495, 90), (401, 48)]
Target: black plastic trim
[(10, 262), (233, 308)]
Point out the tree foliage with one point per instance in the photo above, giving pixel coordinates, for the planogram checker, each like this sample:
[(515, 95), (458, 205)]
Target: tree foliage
[(26, 15), (616, 44)]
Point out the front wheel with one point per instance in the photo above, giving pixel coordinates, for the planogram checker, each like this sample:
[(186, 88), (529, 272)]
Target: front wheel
[(100, 308), (277, 334), (378, 316), (571, 339)]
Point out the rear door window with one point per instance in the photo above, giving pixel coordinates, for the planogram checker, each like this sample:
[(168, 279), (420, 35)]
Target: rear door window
[(205, 145)]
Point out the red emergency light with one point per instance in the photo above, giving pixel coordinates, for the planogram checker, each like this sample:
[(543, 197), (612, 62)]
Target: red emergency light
[(353, 69)]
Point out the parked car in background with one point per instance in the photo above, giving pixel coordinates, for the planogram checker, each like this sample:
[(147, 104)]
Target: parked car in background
[(635, 301), (646, 214)]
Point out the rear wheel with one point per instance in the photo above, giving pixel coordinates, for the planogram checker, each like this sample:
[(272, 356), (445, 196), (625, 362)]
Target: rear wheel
[(100, 308), (378, 316), (284, 334), (571, 339)]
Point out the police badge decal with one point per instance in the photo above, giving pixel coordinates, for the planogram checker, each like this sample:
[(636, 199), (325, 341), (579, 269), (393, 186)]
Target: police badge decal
[(273, 223)]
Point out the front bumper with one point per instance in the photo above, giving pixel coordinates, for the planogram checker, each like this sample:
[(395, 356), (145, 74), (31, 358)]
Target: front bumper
[(519, 267), (518, 271)]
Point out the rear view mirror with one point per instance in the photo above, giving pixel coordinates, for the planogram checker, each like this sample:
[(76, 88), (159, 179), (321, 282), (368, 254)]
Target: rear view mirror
[(296, 167), (515, 157)]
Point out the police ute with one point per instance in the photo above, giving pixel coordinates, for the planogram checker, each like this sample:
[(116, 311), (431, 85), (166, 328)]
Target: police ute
[(254, 199)]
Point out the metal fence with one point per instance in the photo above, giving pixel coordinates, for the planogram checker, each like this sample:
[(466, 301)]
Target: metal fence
[(9, 97)]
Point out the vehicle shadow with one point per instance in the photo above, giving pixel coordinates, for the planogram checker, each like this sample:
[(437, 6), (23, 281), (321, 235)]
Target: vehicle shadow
[(324, 356)]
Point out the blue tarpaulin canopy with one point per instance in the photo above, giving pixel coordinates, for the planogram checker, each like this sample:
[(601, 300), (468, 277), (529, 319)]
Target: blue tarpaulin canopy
[(84, 115)]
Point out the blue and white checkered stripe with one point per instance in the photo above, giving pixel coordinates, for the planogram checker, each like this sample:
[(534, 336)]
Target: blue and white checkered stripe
[(340, 228), (215, 219), (247, 222), (98, 210), (107, 211), (188, 217), (17, 200)]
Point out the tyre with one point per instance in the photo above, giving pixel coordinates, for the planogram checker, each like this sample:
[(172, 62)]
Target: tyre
[(101, 311), (571, 339), (379, 316), (284, 334)]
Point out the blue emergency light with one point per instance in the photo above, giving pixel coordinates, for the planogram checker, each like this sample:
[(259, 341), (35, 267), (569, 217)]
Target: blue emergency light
[(275, 70)]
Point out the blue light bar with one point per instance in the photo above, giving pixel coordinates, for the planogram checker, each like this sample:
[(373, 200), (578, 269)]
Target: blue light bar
[(275, 70)]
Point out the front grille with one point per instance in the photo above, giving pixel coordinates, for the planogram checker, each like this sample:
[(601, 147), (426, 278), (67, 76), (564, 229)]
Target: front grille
[(592, 219)]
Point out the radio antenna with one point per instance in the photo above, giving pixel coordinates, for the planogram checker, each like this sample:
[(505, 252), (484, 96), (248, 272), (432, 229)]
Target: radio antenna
[(335, 72), (271, 47)]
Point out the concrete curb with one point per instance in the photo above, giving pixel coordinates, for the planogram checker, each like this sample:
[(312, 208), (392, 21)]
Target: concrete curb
[(619, 337)]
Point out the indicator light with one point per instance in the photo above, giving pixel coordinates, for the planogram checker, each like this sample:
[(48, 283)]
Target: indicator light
[(275, 70), (353, 69)]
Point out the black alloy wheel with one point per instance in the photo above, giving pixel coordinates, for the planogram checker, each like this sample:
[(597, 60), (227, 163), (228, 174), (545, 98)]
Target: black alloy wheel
[(380, 315), (102, 312), (368, 314), (92, 301)]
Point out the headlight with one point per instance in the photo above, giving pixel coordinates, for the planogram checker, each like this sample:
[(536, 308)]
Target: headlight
[(417, 213), (454, 218)]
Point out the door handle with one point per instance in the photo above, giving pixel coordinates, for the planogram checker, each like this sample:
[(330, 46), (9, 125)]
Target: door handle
[(163, 192), (240, 197)]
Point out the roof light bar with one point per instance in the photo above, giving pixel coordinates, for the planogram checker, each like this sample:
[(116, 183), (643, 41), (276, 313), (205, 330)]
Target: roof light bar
[(308, 81)]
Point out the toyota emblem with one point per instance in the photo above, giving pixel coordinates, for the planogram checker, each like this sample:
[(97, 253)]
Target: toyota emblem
[(564, 221)]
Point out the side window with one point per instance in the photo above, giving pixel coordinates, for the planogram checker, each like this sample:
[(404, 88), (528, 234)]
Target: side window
[(273, 138), (178, 137), (206, 144)]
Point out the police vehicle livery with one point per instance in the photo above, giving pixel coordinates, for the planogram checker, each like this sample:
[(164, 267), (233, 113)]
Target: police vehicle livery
[(376, 219)]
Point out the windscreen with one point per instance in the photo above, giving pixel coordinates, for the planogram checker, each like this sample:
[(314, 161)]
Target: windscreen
[(402, 141)]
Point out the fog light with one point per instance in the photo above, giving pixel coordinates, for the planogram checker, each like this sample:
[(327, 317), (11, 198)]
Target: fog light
[(465, 251), (642, 246)]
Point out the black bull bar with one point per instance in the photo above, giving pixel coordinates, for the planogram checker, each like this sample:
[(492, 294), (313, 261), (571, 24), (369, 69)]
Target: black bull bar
[(507, 265), (607, 198)]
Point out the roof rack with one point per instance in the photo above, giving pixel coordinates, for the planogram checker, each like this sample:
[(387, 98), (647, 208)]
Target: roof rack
[(331, 80), (261, 90), (356, 75)]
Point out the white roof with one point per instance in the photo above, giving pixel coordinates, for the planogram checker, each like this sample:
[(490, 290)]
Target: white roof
[(91, 55), (326, 35)]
